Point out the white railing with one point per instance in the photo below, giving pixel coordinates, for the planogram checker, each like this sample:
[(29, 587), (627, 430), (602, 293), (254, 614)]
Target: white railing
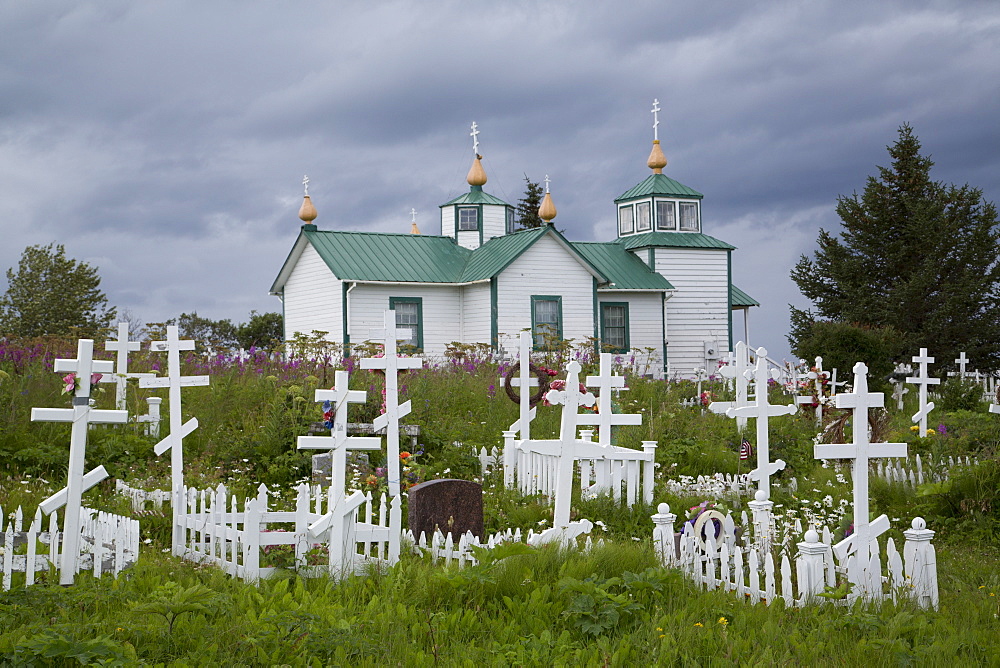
[(622, 472), (139, 497), (217, 531), (711, 554), (109, 544)]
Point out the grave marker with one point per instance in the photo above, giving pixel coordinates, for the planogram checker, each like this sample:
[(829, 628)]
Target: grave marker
[(525, 381), (121, 373), (391, 365), (740, 372), (81, 416), (762, 411), (923, 380), (860, 450), (174, 441)]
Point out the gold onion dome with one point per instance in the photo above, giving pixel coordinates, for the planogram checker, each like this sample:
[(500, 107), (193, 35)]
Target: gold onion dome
[(307, 212), (477, 175), (657, 161), (547, 211)]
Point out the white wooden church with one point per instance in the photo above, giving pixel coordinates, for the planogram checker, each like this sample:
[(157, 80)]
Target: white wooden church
[(662, 290)]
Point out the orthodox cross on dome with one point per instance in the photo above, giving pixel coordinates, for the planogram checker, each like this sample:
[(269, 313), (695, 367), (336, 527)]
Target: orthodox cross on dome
[(860, 451), (413, 215), (546, 183), (305, 184), (762, 410), (81, 415), (656, 119), (475, 138)]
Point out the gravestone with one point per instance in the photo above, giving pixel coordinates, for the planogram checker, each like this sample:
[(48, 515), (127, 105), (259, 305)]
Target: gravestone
[(452, 506)]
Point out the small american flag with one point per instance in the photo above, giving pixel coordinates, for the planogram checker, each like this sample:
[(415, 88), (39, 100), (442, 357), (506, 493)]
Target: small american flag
[(746, 450)]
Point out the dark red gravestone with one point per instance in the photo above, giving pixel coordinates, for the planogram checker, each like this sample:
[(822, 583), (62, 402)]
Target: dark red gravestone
[(454, 506)]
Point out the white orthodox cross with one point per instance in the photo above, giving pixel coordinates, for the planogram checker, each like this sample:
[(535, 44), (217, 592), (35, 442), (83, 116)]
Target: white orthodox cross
[(605, 418), (817, 378), (525, 382), (741, 372), (123, 346), (546, 183), (860, 451), (656, 120), (762, 410), (338, 442), (923, 380), (81, 416), (413, 215), (961, 362), (568, 448), (394, 410), (305, 184), (174, 441), (475, 138)]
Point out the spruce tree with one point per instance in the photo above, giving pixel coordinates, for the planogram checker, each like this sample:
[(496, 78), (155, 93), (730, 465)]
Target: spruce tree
[(527, 206), (915, 255), (51, 294)]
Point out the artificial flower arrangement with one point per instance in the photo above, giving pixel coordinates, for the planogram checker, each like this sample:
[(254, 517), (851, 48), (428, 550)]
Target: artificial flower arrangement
[(71, 382)]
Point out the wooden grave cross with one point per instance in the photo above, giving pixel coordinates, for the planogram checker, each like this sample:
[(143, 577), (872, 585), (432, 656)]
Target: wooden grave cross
[(174, 441), (338, 442), (568, 447), (391, 364), (762, 410), (605, 417), (962, 361), (525, 381), (81, 416), (816, 379), (923, 380), (741, 372), (121, 373), (860, 451)]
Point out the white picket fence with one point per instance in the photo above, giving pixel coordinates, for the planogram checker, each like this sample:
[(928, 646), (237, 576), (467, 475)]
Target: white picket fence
[(729, 563), (622, 472), (109, 544), (915, 472), (218, 532), (713, 486), (140, 497), (444, 547)]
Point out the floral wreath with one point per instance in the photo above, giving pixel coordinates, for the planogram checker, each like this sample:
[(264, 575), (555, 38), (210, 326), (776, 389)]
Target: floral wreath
[(540, 372)]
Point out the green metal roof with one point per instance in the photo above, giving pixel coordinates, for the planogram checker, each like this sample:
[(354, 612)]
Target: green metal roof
[(371, 256), (624, 270), (672, 240), (660, 184), (476, 195), (741, 299), (493, 256)]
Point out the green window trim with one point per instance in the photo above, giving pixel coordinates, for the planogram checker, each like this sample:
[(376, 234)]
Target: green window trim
[(537, 300), (419, 325), (605, 316)]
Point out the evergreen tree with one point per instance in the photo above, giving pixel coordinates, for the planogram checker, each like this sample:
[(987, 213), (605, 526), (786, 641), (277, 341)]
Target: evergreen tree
[(51, 294), (527, 206), (915, 255)]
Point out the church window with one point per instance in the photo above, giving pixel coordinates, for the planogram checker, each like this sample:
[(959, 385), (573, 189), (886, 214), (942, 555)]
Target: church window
[(468, 218), (614, 327), (546, 320), (665, 219), (409, 320), (689, 216), (510, 220), (642, 223), (625, 219)]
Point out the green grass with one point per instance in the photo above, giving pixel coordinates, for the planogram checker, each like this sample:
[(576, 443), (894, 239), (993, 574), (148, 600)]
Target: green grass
[(611, 606)]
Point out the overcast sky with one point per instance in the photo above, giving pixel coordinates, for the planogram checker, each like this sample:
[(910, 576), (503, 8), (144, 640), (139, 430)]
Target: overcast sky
[(166, 142)]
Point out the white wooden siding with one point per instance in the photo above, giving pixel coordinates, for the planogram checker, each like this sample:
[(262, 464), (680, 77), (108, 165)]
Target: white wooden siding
[(645, 328), (494, 221), (699, 309), (440, 311), (448, 221), (312, 298), (468, 239), (476, 313), (545, 269)]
